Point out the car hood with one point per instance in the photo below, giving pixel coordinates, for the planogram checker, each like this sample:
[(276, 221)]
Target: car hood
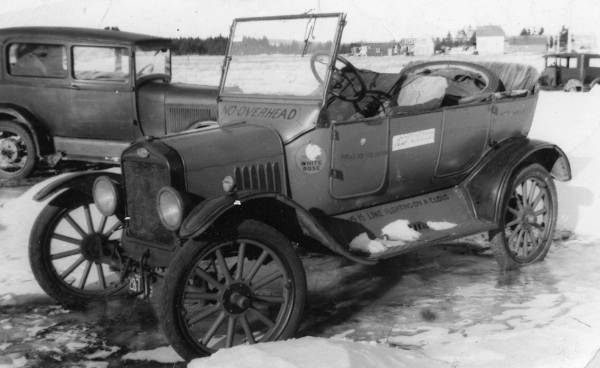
[(225, 146)]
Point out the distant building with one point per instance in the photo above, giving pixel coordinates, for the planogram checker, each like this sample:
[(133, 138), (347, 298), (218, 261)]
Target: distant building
[(424, 46), (490, 40), (407, 45), (527, 44), (379, 49)]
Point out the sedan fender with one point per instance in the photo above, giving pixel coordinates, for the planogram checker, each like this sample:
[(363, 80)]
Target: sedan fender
[(82, 182), (487, 184), (208, 212)]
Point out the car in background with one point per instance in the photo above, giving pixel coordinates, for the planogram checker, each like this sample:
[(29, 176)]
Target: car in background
[(85, 94), (570, 72)]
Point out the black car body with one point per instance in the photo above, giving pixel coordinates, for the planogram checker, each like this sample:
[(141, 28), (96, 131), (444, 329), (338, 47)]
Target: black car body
[(85, 94), (571, 72), (308, 151)]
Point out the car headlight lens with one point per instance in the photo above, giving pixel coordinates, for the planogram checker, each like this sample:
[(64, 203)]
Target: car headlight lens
[(106, 195), (171, 208)]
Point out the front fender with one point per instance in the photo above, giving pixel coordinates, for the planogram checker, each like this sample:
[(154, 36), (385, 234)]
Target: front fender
[(209, 211), (82, 181), (487, 184)]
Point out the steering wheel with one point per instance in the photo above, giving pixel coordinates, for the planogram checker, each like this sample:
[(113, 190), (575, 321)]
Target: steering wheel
[(340, 79), (146, 70)]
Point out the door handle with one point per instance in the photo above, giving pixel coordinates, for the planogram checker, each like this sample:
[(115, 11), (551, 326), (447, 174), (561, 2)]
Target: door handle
[(73, 86)]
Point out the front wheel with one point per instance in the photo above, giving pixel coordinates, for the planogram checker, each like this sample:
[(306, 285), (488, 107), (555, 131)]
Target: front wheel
[(68, 247), (528, 218), (245, 289)]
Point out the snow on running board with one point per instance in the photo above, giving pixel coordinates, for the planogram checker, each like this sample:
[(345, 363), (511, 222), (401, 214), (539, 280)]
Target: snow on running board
[(399, 230), (444, 225)]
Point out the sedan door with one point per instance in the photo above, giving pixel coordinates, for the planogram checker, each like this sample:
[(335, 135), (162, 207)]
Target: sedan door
[(102, 98)]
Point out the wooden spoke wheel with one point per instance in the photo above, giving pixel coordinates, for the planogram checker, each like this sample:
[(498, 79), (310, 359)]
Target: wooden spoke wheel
[(244, 289)]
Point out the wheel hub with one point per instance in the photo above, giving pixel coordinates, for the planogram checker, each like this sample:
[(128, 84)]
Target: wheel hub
[(237, 298), (528, 218), (9, 150), (92, 247)]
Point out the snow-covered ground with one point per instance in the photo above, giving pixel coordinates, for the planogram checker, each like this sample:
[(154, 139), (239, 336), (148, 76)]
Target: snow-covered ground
[(558, 327)]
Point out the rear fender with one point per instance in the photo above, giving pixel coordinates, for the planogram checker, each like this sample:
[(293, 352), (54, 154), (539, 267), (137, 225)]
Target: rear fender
[(39, 133), (487, 184), (218, 213), (81, 182)]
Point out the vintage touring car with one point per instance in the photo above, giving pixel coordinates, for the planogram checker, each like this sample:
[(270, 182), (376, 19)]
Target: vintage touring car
[(311, 151), (86, 94)]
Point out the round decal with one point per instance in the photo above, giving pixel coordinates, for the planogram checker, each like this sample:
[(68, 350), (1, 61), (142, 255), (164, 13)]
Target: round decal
[(311, 159)]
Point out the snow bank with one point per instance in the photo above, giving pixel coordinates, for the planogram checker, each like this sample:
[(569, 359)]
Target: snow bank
[(163, 354), (572, 121), (16, 220), (315, 353)]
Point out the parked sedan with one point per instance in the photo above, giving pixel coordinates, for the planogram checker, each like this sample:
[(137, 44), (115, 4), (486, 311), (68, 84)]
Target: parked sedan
[(85, 94)]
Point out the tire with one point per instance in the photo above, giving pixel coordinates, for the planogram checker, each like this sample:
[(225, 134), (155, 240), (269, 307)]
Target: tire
[(202, 309), (17, 152), (528, 218), (60, 260)]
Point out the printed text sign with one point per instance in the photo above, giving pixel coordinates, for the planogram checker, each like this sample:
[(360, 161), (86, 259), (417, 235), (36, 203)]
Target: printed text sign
[(422, 137)]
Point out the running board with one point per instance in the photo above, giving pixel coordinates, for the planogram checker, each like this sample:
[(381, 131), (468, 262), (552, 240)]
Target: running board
[(432, 237)]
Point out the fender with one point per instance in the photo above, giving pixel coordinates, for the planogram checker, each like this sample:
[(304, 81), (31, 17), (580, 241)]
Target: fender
[(487, 184), (594, 82), (39, 133), (210, 210), (82, 181)]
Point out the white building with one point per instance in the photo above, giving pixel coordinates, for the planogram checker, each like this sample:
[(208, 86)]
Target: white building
[(424, 46), (490, 40)]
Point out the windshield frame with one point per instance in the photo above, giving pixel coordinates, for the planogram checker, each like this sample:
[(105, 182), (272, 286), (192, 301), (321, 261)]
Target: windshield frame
[(138, 49), (341, 21)]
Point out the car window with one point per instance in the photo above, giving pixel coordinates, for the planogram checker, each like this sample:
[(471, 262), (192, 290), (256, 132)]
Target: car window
[(37, 60), (573, 62), (564, 62), (594, 62), (551, 61), (101, 63), (149, 62)]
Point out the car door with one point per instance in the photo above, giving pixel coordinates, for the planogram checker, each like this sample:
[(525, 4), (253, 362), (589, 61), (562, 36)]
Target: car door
[(359, 157), (102, 97), (37, 79), (465, 131)]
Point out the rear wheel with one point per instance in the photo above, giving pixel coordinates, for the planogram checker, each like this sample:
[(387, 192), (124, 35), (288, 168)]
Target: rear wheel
[(17, 151), (529, 218), (68, 243), (245, 289)]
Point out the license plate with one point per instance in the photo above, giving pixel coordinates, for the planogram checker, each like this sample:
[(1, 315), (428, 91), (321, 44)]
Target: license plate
[(136, 286)]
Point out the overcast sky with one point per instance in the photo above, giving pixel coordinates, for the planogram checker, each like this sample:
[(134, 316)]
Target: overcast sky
[(368, 20)]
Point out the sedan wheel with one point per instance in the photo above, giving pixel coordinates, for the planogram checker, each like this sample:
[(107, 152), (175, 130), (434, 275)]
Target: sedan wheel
[(17, 151)]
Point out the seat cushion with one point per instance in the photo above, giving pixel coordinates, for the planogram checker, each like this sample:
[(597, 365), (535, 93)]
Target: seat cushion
[(423, 93)]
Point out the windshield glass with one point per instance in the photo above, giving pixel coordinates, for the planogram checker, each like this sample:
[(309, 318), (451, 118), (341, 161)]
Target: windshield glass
[(285, 57), (149, 62)]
